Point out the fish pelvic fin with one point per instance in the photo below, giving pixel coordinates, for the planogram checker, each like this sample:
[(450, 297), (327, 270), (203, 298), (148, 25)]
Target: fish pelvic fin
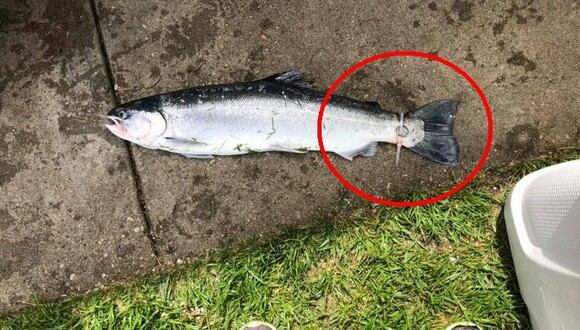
[(198, 156), (439, 143)]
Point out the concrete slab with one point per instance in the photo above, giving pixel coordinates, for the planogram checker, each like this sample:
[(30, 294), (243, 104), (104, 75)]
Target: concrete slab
[(69, 217), (523, 54)]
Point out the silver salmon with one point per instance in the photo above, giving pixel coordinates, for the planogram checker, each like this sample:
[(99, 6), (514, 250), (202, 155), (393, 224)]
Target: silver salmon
[(279, 113)]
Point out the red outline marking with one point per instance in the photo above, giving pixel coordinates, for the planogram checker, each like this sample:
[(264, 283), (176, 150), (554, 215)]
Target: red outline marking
[(427, 201)]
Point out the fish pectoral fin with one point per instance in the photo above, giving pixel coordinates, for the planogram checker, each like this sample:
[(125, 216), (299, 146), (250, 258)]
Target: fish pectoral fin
[(185, 147), (292, 78), (368, 150), (196, 156), (181, 140), (179, 143)]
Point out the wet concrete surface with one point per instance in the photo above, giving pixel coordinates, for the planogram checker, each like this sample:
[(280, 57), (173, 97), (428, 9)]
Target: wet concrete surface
[(69, 218), (523, 54)]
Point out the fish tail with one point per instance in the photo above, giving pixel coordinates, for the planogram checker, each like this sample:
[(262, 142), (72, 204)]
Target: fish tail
[(439, 143)]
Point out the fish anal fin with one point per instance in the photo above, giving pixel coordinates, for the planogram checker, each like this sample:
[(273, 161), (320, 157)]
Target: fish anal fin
[(292, 78), (367, 150)]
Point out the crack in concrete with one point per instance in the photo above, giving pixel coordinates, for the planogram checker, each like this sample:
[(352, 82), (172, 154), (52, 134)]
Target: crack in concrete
[(134, 173)]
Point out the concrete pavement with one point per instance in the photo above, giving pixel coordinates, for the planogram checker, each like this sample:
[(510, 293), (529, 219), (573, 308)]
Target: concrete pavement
[(69, 216), (54, 83)]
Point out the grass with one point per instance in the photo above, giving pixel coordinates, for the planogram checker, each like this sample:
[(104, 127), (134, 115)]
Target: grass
[(419, 268)]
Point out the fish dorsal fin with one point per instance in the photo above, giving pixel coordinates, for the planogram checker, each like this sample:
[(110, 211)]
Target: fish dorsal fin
[(293, 78)]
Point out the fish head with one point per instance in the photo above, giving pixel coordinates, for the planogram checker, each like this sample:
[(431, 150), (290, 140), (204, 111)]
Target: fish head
[(136, 125)]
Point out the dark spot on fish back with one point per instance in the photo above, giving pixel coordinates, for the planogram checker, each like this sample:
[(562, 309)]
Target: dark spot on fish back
[(432, 6), (519, 59), (416, 24), (237, 33), (463, 9)]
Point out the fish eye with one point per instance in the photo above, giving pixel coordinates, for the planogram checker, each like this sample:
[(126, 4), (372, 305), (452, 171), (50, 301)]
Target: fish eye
[(122, 114)]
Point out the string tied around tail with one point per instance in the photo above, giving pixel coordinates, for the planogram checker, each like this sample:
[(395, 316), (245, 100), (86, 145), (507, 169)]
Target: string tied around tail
[(401, 131)]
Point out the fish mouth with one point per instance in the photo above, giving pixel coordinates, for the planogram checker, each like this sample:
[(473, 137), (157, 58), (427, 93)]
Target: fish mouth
[(116, 126)]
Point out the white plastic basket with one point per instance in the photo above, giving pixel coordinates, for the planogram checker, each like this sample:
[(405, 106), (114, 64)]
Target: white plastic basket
[(543, 225)]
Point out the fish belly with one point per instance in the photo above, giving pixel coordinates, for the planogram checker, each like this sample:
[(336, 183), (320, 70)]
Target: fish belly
[(250, 125)]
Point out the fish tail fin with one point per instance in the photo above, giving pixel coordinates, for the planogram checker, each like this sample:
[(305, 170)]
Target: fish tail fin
[(439, 143)]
